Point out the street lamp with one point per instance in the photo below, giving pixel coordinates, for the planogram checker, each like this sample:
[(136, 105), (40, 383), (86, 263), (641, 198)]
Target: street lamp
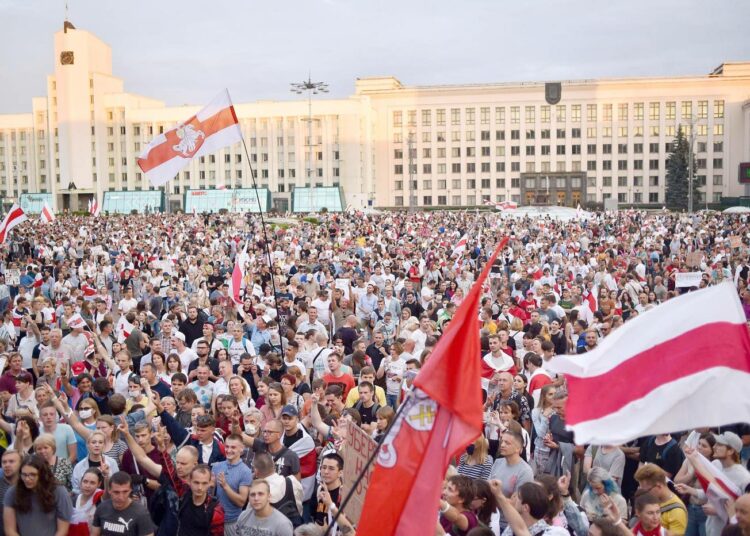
[(691, 156), (312, 88)]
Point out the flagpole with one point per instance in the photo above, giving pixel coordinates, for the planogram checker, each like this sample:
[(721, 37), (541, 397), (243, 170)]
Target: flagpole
[(265, 239), (370, 461)]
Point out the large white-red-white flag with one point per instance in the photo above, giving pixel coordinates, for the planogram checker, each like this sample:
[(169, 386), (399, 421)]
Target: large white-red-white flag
[(46, 215), (211, 129), (94, 208), (15, 216), (682, 365), (460, 246)]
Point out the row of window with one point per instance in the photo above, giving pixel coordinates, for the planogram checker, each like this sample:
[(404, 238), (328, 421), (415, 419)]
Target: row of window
[(530, 150), (471, 200), (468, 116), (540, 183), (560, 133), (500, 167)]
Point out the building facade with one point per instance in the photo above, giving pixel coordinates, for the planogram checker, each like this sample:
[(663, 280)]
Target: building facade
[(389, 145)]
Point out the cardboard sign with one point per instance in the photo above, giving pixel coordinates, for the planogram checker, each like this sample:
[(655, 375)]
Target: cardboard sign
[(688, 279), (359, 447), (694, 258), (735, 241)]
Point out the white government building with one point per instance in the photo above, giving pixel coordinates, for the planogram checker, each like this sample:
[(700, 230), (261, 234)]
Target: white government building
[(388, 145)]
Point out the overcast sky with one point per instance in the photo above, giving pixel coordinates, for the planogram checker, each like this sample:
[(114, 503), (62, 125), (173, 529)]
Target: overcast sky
[(182, 52)]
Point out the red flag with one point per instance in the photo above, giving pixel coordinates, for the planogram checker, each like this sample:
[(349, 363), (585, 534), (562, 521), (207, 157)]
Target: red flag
[(15, 216), (442, 415), (38, 280), (212, 128), (237, 282)]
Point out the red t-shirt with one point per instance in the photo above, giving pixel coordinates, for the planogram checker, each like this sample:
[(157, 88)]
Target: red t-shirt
[(346, 381)]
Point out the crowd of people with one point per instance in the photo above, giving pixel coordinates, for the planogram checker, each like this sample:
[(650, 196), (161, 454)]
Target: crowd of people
[(143, 393)]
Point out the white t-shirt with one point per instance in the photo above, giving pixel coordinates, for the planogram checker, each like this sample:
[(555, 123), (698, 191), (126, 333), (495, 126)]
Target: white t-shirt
[(126, 305), (394, 373), (185, 358)]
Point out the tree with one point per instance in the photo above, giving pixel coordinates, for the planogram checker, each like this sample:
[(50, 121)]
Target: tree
[(677, 189)]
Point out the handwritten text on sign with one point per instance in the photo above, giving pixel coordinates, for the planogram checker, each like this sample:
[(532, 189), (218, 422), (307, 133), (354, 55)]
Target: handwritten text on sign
[(359, 448)]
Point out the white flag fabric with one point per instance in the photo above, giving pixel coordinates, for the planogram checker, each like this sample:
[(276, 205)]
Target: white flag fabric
[(15, 216), (46, 215), (212, 128), (683, 365)]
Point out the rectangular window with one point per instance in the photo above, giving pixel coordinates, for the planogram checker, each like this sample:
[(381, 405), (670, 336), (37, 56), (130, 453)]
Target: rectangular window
[(622, 111), (591, 148), (515, 150), (456, 168), (412, 118), (499, 183), (426, 169), (623, 132), (471, 184), (607, 112), (638, 111), (591, 113), (607, 148), (607, 165), (530, 150), (427, 185), (530, 115), (426, 118), (622, 148), (653, 164), (622, 165), (591, 132), (484, 116), (545, 150), (638, 164), (545, 113), (500, 115), (398, 169), (719, 129), (485, 184), (560, 149), (441, 169), (607, 182), (455, 152), (485, 167), (440, 117), (591, 165), (456, 184), (653, 180), (455, 116), (687, 110), (575, 133), (515, 166), (530, 134), (500, 150), (397, 119), (560, 133), (470, 116), (515, 115), (653, 111), (560, 112), (484, 135), (638, 148), (719, 109), (426, 152), (718, 163), (718, 180), (575, 149), (515, 134), (718, 146), (456, 136), (671, 112), (471, 167), (499, 134), (622, 181), (546, 134), (703, 109), (485, 151), (575, 113)]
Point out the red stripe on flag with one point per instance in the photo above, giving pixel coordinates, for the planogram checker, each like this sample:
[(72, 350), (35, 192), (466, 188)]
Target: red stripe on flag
[(10, 218), (722, 344), (164, 151)]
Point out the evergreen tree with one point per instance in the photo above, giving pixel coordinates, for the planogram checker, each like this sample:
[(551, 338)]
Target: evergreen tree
[(676, 193)]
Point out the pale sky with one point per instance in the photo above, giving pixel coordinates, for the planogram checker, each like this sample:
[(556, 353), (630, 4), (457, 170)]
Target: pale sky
[(183, 52)]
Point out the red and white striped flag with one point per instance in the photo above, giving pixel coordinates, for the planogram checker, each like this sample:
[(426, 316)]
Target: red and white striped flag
[(592, 299), (15, 216), (461, 245), (46, 215), (38, 280), (691, 353), (507, 205), (94, 208), (237, 282), (211, 129)]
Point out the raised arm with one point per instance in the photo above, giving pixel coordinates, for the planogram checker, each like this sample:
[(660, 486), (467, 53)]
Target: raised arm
[(317, 421), (139, 454)]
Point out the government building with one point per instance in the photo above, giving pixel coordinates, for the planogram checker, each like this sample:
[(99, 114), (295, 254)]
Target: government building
[(387, 146)]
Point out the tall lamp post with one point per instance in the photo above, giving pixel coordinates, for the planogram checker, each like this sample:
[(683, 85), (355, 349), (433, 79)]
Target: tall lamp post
[(691, 159), (312, 88)]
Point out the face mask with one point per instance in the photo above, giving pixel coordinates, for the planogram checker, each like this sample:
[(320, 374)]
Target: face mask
[(85, 413), (134, 393), (470, 450), (251, 429)]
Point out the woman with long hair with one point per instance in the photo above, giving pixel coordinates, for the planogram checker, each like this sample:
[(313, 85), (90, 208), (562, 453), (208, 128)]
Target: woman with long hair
[(95, 458), (275, 402), (173, 366), (301, 387), (36, 505), (476, 461), (159, 361), (45, 447), (288, 383), (484, 504), (25, 433), (520, 384), (239, 389), (696, 525)]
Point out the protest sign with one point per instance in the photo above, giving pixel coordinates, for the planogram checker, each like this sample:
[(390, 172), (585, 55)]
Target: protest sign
[(688, 279), (359, 447)]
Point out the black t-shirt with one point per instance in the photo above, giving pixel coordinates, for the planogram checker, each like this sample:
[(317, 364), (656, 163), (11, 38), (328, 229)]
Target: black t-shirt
[(290, 440), (367, 414), (668, 456), (321, 511), (133, 521), (194, 519)]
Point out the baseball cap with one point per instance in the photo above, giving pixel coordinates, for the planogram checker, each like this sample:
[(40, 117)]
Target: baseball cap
[(730, 439), (290, 411), (179, 335)]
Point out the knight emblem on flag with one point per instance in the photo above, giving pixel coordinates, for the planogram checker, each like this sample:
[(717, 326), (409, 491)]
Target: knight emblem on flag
[(419, 414), (191, 139)]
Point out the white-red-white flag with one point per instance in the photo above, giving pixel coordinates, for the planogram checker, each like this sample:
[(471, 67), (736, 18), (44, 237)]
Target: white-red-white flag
[(38, 280), (592, 299), (15, 216), (94, 208), (507, 205), (461, 245), (211, 129), (691, 353), (46, 215), (237, 281)]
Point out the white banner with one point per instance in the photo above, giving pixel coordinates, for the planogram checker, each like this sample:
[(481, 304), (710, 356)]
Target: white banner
[(688, 279)]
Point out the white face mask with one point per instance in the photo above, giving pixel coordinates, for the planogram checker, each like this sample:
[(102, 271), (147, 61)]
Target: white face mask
[(85, 413), (134, 393), (251, 429)]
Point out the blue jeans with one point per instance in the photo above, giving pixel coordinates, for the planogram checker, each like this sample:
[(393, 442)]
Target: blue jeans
[(392, 400), (696, 525)]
